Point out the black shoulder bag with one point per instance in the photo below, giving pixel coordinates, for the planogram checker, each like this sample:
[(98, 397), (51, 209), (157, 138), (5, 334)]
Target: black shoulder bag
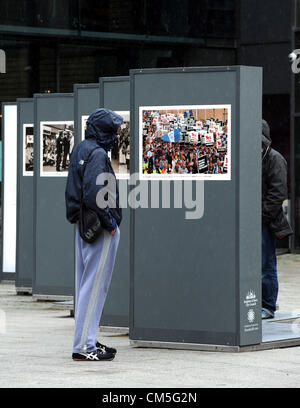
[(89, 223)]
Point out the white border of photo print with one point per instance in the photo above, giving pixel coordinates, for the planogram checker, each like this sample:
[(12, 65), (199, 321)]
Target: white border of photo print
[(50, 123), (25, 126), (174, 176), (126, 117)]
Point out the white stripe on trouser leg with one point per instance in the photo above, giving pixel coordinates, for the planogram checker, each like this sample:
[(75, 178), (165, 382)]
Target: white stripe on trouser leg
[(94, 295)]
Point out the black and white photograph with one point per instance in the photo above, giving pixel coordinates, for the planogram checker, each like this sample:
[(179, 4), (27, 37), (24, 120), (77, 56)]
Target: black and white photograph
[(28, 149), (57, 143), (120, 152), (185, 142), (84, 118)]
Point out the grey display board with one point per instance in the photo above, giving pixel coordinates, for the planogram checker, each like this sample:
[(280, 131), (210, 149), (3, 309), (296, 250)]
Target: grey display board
[(9, 191), (199, 280), (54, 236), (86, 100), (115, 95), (25, 239)]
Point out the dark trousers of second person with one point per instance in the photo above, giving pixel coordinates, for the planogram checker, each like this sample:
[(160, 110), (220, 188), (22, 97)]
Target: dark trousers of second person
[(269, 270)]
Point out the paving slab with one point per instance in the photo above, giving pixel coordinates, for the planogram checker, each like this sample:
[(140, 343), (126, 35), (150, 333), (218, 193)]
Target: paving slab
[(36, 345)]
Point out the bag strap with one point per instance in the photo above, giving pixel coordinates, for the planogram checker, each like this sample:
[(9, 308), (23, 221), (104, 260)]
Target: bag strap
[(84, 166)]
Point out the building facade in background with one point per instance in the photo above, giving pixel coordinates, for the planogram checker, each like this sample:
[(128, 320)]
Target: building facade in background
[(52, 44)]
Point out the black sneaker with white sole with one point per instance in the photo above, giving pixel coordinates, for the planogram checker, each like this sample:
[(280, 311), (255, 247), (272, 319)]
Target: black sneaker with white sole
[(105, 348), (96, 355)]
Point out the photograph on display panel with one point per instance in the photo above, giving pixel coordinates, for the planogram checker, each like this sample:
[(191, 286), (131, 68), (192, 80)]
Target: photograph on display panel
[(57, 143), (28, 149), (84, 118), (120, 152), (185, 142)]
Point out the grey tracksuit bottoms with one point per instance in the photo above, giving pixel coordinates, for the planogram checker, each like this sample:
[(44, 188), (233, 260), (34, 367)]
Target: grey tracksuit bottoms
[(94, 267)]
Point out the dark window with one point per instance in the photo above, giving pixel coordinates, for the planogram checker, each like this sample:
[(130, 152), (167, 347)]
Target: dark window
[(36, 13)]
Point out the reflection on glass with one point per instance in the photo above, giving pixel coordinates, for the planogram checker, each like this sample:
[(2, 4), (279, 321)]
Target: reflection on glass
[(297, 182)]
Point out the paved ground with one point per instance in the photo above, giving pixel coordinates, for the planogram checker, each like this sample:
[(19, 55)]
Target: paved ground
[(35, 351)]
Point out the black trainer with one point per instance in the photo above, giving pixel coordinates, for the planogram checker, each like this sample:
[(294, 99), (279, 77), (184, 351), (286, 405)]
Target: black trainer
[(105, 348), (96, 355)]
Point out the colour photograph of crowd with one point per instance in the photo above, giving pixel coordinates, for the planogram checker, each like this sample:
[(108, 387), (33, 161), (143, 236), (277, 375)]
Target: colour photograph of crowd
[(191, 141), (58, 144)]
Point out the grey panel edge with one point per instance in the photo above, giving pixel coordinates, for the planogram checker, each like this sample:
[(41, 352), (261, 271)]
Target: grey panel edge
[(132, 212), (237, 204), (35, 174), (17, 282), (53, 95)]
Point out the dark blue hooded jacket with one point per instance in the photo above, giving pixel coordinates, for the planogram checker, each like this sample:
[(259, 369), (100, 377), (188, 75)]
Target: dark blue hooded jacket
[(101, 131)]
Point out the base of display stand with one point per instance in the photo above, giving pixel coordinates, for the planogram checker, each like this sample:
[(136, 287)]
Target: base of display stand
[(23, 291), (280, 332), (52, 297), (119, 330)]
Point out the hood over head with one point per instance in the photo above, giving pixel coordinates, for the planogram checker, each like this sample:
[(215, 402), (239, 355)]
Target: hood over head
[(103, 124), (266, 138)]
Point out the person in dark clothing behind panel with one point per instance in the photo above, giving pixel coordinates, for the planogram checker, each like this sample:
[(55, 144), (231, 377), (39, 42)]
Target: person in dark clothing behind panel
[(274, 223), (66, 148), (59, 150), (94, 261)]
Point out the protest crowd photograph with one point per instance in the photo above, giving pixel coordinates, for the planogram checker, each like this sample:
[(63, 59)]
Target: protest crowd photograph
[(58, 143), (185, 141)]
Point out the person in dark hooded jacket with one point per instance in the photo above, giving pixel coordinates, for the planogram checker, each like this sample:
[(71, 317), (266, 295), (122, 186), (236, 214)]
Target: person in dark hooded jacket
[(274, 222), (94, 261)]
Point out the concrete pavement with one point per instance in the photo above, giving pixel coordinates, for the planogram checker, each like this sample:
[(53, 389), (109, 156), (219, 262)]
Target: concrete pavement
[(36, 349)]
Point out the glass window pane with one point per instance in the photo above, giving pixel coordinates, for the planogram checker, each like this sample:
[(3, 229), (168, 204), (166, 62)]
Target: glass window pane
[(172, 18), (297, 182), (36, 13)]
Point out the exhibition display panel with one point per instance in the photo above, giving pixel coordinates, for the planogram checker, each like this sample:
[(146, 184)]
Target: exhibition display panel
[(115, 95), (54, 236), (196, 254), (9, 190), (25, 216)]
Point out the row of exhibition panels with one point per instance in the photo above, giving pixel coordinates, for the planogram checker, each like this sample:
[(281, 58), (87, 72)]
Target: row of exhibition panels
[(183, 272), (38, 242)]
